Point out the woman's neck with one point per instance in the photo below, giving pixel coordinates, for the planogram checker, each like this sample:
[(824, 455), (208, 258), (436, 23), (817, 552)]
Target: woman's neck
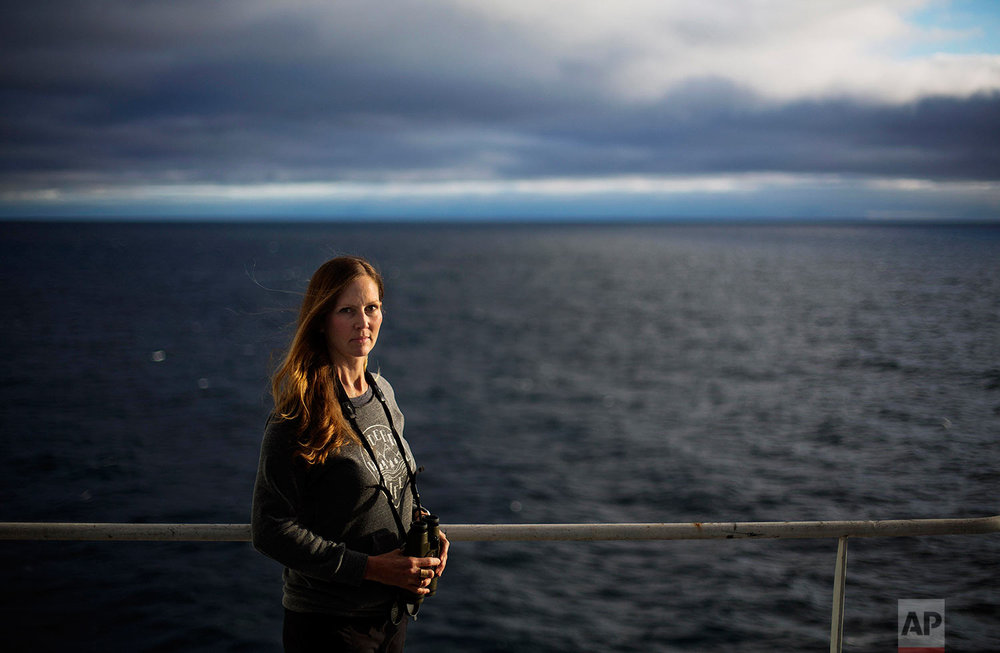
[(352, 376)]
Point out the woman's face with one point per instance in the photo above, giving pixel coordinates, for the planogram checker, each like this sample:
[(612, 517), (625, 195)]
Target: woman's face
[(352, 326)]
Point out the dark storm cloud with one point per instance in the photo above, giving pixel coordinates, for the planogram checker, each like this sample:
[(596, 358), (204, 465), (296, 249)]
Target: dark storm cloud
[(110, 92), (710, 127)]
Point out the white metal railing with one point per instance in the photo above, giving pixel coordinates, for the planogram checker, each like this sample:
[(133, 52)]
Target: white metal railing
[(567, 532), (526, 532)]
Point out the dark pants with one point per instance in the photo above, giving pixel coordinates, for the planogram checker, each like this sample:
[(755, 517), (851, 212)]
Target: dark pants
[(315, 633)]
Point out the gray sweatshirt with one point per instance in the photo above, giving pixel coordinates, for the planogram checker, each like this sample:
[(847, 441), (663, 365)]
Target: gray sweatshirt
[(323, 521)]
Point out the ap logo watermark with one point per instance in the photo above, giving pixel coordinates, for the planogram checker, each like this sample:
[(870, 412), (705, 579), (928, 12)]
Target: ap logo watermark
[(921, 625)]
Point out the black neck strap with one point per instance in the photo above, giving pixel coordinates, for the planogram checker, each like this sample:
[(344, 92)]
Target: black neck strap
[(351, 414)]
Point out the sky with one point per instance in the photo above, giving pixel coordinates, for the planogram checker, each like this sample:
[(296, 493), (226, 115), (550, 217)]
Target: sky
[(490, 109)]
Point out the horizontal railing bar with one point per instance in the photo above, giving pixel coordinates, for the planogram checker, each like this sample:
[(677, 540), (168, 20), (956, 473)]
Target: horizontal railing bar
[(130, 532), (723, 530), (531, 532)]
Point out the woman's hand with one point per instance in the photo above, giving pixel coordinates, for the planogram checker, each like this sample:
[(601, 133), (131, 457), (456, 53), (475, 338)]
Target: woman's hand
[(398, 570), (443, 554)]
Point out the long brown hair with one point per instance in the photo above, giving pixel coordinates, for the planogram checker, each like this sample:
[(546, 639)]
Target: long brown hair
[(304, 386)]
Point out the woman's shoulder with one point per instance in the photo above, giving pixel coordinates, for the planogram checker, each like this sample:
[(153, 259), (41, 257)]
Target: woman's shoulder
[(281, 431), (276, 420), (383, 384), (387, 391)]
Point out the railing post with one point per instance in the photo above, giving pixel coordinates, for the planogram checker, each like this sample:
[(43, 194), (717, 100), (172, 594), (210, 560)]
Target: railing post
[(839, 580)]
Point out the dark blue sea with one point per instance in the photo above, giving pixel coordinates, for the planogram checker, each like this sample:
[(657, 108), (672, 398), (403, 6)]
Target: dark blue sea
[(549, 373)]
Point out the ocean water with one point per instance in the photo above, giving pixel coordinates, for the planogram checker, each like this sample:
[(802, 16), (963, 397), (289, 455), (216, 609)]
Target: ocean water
[(549, 373)]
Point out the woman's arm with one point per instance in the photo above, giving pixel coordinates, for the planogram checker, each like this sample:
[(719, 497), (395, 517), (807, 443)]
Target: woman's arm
[(275, 527)]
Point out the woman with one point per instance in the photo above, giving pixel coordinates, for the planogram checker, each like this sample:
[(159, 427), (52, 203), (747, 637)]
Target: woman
[(335, 490)]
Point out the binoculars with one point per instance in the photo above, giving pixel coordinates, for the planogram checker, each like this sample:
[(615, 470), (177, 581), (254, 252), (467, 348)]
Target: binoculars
[(423, 541)]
